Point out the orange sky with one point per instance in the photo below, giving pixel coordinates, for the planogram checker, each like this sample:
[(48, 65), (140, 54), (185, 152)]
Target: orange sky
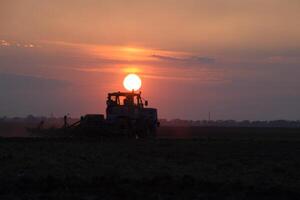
[(235, 59)]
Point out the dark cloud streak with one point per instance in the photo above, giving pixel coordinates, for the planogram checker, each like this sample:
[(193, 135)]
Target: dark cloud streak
[(190, 59)]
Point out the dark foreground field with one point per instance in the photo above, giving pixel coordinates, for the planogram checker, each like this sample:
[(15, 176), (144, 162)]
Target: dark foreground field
[(227, 165)]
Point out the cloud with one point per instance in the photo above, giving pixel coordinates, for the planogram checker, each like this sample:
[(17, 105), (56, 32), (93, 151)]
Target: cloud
[(184, 78), (5, 43), (190, 59)]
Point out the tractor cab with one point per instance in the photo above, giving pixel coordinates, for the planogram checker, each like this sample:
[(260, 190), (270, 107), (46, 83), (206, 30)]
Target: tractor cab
[(128, 109), (125, 99), (120, 105)]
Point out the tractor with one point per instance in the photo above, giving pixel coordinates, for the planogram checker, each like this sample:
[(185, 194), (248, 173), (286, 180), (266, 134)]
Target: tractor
[(126, 115)]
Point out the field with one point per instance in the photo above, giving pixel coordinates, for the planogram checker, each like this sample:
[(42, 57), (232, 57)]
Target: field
[(183, 163)]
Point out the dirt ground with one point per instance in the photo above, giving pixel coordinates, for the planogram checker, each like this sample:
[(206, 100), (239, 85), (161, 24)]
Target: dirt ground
[(211, 166)]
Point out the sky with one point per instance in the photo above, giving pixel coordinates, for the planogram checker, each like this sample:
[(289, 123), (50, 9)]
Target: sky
[(235, 59)]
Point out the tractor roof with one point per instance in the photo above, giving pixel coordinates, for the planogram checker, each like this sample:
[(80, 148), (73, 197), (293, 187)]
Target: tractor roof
[(124, 94)]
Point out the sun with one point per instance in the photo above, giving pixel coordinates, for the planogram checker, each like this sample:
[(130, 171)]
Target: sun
[(132, 82)]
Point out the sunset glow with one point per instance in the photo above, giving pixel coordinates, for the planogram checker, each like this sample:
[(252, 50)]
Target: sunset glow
[(132, 82), (236, 59)]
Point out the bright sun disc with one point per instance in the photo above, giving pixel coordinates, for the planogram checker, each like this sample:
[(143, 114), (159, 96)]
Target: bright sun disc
[(132, 82)]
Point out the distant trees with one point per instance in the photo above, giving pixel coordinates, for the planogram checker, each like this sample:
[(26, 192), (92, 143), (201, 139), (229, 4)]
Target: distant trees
[(232, 123), (58, 121)]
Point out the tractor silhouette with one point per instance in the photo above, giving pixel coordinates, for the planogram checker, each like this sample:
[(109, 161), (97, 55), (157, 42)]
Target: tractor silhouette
[(127, 115)]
